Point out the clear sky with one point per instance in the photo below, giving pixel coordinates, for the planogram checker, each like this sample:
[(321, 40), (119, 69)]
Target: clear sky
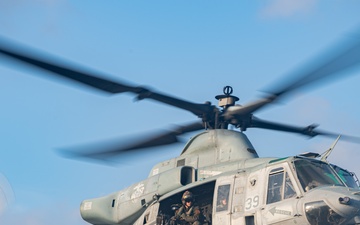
[(190, 49)]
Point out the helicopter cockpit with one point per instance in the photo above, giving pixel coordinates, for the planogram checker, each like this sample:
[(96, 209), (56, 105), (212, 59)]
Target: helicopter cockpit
[(315, 173), (324, 193), (335, 199)]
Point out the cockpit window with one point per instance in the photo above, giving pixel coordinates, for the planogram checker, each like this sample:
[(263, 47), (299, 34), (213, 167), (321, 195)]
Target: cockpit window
[(346, 176), (313, 173), (280, 186), (289, 188)]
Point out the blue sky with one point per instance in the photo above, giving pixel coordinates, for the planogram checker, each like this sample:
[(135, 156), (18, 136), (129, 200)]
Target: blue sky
[(190, 49)]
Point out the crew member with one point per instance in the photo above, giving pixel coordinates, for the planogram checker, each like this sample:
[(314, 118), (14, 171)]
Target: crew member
[(188, 213)]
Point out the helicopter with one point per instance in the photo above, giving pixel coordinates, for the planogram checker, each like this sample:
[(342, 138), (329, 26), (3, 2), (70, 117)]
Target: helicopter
[(220, 162)]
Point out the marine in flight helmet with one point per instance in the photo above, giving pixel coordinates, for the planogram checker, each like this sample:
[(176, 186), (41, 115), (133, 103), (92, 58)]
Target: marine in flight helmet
[(187, 197)]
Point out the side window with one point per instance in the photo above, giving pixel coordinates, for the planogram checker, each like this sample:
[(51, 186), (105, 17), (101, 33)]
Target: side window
[(349, 178), (276, 180), (289, 188), (279, 186), (222, 198)]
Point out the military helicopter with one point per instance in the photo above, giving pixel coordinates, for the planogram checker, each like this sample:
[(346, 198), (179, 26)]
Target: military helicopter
[(222, 163)]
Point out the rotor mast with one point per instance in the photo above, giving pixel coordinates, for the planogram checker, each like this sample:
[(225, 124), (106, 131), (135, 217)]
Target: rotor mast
[(225, 101)]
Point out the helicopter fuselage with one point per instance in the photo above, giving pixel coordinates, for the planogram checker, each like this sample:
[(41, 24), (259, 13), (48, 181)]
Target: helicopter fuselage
[(291, 190)]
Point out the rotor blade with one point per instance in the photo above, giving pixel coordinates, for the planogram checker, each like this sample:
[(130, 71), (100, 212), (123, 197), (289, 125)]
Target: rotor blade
[(309, 131), (345, 55), (96, 80), (115, 149)]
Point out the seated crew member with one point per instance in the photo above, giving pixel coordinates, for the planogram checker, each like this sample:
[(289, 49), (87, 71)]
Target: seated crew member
[(222, 204), (188, 213)]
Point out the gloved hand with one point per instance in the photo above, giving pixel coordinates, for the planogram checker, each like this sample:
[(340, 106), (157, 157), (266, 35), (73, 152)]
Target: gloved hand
[(183, 216)]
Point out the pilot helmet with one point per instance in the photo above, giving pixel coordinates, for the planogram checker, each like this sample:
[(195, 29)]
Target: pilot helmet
[(187, 197)]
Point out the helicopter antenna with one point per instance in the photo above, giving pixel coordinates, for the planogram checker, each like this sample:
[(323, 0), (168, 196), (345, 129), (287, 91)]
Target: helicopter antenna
[(326, 154), (225, 101)]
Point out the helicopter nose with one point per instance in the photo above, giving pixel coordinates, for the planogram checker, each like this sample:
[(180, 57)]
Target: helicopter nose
[(333, 205)]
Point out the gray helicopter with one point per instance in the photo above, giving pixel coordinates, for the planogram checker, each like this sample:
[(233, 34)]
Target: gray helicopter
[(219, 164)]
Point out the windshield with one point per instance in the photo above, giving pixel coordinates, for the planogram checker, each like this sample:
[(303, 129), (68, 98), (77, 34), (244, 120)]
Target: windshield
[(313, 173), (346, 176)]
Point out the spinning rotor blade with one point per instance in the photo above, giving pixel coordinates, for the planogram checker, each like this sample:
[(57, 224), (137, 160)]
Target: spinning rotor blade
[(344, 56), (110, 150), (97, 81), (309, 131)]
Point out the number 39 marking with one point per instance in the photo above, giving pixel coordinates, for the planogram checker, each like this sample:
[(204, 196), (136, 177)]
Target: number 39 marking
[(252, 202)]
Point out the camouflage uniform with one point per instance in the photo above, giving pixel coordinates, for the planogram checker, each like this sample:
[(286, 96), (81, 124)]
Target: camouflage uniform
[(187, 216)]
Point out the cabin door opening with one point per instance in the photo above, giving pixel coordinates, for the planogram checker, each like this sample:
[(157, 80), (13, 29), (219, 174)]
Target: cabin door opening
[(203, 198)]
